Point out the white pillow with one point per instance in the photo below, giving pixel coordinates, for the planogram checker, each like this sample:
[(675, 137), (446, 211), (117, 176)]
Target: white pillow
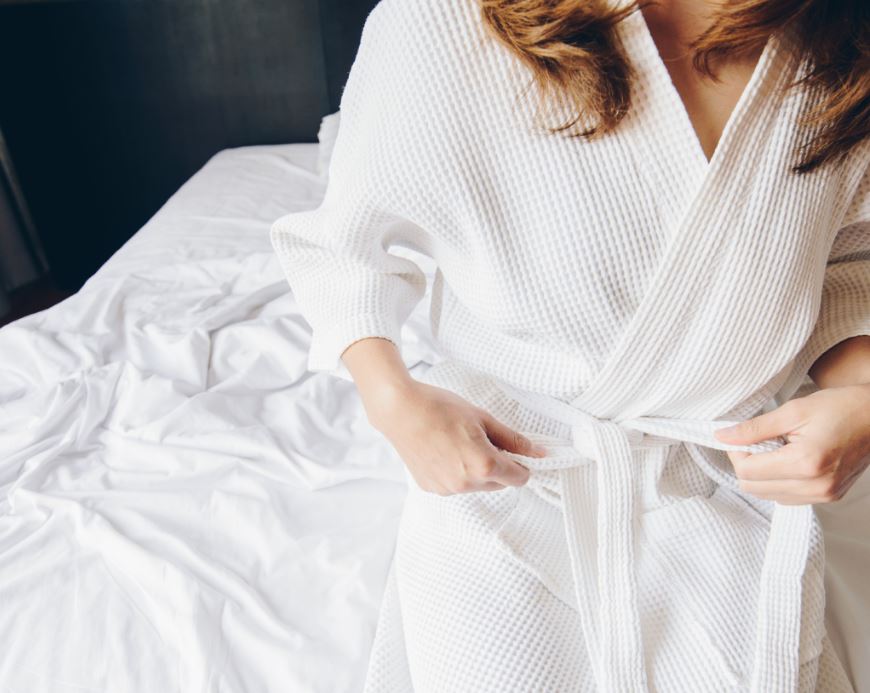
[(326, 137)]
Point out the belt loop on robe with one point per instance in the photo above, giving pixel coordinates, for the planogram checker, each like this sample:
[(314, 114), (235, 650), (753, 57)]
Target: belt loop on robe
[(613, 631)]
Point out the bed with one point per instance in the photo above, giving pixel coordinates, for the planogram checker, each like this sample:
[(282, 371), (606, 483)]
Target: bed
[(180, 509)]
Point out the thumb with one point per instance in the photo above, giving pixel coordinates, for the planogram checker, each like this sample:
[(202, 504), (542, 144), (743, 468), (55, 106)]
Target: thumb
[(506, 438), (763, 427)]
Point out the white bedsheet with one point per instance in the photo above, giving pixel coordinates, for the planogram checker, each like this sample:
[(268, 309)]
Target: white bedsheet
[(181, 509)]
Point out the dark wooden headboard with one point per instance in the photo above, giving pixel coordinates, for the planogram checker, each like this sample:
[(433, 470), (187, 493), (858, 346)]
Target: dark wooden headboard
[(108, 106)]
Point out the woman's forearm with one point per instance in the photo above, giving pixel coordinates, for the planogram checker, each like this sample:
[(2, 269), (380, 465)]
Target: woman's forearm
[(448, 444), (846, 363), (379, 373)]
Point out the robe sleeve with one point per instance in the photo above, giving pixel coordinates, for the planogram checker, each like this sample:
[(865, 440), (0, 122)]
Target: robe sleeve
[(336, 258), (844, 311)]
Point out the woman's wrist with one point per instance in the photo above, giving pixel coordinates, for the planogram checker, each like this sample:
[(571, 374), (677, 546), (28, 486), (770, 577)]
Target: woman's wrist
[(384, 401), (380, 375), (846, 363)]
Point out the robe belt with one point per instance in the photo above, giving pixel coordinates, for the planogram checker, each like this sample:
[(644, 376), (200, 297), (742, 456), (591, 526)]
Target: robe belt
[(613, 632)]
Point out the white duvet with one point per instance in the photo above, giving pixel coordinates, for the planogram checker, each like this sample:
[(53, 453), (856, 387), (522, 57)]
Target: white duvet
[(181, 508)]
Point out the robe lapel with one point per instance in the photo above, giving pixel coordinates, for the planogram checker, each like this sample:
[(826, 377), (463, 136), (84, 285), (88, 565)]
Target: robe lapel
[(625, 387), (644, 374)]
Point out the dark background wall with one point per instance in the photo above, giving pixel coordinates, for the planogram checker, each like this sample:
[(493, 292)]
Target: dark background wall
[(108, 106)]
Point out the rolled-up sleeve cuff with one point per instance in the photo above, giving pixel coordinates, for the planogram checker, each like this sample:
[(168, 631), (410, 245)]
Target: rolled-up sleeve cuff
[(845, 309), (827, 335)]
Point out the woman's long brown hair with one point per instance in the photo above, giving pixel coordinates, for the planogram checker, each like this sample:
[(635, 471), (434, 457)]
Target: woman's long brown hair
[(573, 52)]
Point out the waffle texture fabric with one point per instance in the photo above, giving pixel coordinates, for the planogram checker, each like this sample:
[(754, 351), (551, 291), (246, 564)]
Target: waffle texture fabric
[(617, 299)]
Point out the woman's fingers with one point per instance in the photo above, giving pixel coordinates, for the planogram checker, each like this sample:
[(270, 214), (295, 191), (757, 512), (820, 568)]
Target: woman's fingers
[(466, 449), (492, 486), (779, 421), (790, 461), (510, 472), (484, 467), (505, 470), (506, 438), (795, 492), (486, 464)]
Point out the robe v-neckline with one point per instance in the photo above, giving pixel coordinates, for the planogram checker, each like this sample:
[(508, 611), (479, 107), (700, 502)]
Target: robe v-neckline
[(693, 189), (701, 167)]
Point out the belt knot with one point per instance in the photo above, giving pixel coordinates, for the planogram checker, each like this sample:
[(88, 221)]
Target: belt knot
[(585, 432), (606, 591)]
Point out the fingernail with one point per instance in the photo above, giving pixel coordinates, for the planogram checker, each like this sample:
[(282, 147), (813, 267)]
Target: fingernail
[(539, 449)]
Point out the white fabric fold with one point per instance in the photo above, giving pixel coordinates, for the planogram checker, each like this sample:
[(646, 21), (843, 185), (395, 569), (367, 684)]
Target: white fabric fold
[(612, 629)]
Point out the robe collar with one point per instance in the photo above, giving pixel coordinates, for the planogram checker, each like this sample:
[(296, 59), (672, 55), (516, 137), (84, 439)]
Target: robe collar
[(693, 190)]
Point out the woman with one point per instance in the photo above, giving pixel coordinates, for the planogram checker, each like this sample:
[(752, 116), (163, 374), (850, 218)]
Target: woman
[(630, 256)]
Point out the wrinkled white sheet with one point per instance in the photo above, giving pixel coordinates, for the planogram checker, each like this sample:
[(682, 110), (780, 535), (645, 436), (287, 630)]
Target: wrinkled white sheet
[(182, 508)]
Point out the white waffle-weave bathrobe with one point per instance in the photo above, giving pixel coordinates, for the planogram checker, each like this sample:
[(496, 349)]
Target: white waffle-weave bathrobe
[(618, 300)]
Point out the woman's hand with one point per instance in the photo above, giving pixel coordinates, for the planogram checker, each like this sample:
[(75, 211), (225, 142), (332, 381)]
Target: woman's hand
[(828, 448), (448, 444)]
